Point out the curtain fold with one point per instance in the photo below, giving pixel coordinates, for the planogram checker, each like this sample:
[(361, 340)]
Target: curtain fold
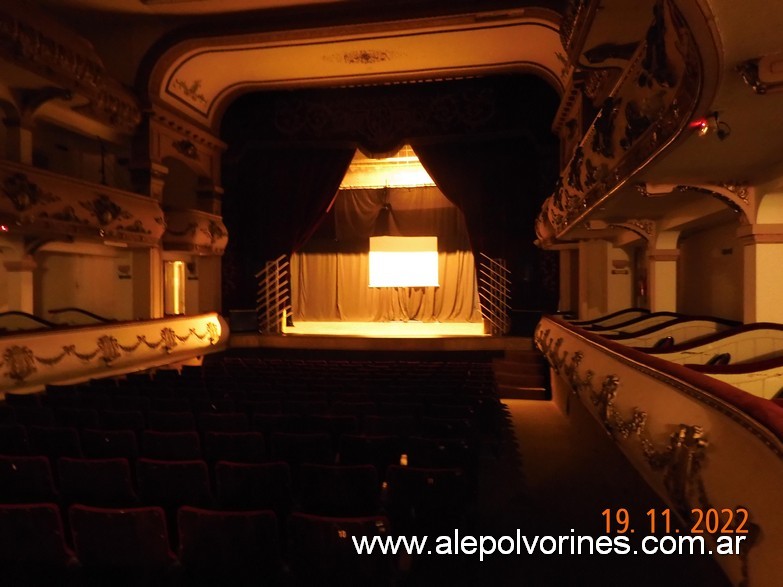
[(331, 278), (486, 180)]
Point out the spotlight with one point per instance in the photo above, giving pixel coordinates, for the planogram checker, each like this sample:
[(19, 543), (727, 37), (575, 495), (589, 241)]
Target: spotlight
[(709, 124)]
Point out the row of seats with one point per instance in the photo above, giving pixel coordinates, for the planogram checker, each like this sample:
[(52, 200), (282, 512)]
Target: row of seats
[(109, 546), (415, 497), (320, 439)]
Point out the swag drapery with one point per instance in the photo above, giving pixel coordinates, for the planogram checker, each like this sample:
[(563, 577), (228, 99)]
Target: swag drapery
[(330, 276)]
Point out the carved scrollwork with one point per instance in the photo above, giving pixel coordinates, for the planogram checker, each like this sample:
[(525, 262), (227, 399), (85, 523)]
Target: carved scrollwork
[(105, 210), (21, 360), (24, 194)]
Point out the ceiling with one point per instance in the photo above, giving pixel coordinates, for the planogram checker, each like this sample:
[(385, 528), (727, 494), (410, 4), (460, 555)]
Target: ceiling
[(205, 54)]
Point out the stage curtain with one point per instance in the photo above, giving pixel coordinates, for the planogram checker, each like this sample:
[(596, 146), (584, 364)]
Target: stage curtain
[(486, 179), (330, 278)]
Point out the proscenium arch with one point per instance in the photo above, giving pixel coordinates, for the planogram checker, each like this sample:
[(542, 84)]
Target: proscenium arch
[(201, 75)]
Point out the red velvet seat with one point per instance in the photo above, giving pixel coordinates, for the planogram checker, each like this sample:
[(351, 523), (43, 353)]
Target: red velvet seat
[(170, 445), (26, 479), (14, 440), (240, 447), (171, 421), (96, 482), (223, 422), (322, 552), (363, 449), (100, 444), (242, 486), (77, 417), (171, 484), (123, 420), (426, 500), (339, 490), (33, 549), (228, 548), (125, 546), (55, 441)]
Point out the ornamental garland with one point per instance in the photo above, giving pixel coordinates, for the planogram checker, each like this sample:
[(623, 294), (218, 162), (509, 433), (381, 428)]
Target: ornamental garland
[(680, 462), (21, 360)]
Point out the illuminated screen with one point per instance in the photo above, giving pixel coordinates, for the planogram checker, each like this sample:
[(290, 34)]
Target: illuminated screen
[(404, 261)]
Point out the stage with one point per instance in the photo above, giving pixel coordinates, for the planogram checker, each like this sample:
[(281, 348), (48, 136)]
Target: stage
[(382, 336)]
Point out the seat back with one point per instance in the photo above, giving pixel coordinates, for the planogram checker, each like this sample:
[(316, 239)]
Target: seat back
[(26, 479), (241, 486), (240, 447), (127, 537), (339, 490), (97, 482), (99, 444), (32, 534), (55, 441), (423, 499), (229, 545), (322, 552), (170, 484), (13, 440), (170, 445)]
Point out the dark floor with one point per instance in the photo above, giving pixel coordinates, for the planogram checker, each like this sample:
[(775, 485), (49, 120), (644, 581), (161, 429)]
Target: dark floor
[(557, 480)]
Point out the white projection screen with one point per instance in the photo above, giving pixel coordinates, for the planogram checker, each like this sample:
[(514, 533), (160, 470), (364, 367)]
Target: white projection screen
[(404, 261)]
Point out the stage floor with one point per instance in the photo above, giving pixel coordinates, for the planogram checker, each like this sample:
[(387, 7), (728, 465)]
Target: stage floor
[(381, 336), (410, 329)]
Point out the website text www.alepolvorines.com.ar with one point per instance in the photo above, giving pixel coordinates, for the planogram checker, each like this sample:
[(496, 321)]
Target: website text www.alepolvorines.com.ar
[(566, 544)]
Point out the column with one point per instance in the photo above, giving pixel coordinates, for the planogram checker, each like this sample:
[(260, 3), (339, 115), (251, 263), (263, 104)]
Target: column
[(662, 279), (20, 284), (147, 283), (762, 275)]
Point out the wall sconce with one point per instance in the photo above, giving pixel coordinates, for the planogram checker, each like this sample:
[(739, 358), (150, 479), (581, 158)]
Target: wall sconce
[(711, 124)]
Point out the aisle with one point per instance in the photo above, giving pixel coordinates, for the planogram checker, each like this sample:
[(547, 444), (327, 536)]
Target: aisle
[(554, 474)]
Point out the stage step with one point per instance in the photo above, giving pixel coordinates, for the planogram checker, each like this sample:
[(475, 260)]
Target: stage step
[(522, 375)]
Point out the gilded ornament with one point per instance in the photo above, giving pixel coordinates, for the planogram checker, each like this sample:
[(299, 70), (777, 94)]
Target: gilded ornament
[(20, 362)]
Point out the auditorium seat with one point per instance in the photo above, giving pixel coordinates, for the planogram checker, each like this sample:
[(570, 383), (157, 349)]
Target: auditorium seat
[(33, 549), (127, 546), (99, 444), (395, 425), (241, 447), (170, 445), (123, 420), (76, 417), (213, 405), (170, 484), (13, 440), (219, 548), (321, 551), (18, 400), (223, 422), (26, 479), (137, 403), (425, 500), (96, 482), (33, 415), (298, 448), (171, 421), (169, 404), (245, 486), (339, 490), (363, 449), (55, 441)]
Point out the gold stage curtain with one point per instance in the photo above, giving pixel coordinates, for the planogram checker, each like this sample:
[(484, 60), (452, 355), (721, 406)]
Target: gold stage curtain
[(330, 277)]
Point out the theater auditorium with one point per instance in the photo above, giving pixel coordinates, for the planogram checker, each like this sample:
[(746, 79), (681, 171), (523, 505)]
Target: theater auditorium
[(490, 288)]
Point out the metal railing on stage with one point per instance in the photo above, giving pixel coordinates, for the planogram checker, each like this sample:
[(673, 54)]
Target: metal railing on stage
[(273, 302), (495, 294)]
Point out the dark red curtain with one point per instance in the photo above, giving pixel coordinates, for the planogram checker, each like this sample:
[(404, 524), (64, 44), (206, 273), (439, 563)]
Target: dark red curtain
[(279, 195), (492, 182)]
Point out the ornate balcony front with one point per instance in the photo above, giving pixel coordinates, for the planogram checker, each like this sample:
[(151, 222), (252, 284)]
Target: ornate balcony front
[(195, 232), (42, 204)]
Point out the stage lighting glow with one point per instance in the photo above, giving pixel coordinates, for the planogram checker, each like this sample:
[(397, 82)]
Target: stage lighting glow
[(404, 261)]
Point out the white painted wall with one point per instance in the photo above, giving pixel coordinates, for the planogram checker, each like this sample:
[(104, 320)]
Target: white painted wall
[(89, 282), (710, 273)]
